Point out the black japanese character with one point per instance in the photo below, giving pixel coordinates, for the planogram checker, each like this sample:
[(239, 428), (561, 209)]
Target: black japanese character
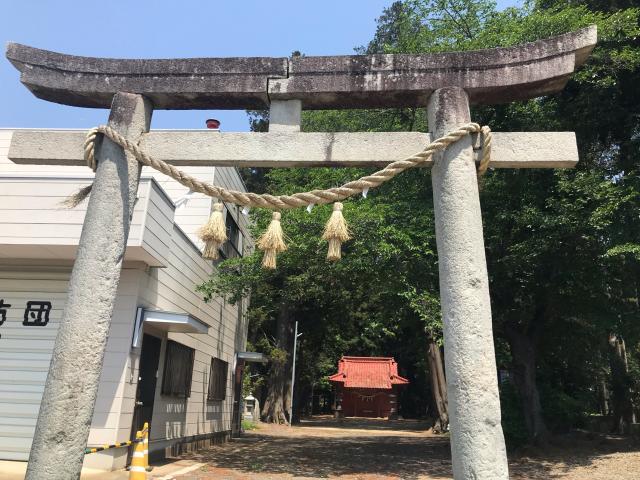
[(36, 314), (3, 310)]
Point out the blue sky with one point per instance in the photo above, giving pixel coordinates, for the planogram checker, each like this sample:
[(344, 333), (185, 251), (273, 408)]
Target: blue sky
[(170, 28)]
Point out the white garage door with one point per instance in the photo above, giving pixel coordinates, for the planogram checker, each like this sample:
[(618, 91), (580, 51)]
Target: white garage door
[(31, 307)]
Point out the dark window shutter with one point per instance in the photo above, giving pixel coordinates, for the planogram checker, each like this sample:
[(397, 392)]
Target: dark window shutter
[(218, 380), (178, 370)]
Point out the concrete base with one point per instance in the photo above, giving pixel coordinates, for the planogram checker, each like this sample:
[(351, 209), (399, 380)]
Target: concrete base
[(16, 471), (161, 450), (107, 460)]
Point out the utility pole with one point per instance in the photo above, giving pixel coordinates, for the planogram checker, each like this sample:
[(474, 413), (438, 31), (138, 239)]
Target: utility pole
[(293, 372)]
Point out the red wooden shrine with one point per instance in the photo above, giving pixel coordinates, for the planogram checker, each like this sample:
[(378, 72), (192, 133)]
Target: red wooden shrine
[(367, 387)]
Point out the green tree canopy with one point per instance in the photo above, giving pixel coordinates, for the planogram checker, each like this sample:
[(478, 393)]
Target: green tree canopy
[(562, 246)]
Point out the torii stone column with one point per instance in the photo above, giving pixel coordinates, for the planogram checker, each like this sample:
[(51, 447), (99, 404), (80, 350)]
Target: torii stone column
[(446, 83), (470, 362), (70, 392)]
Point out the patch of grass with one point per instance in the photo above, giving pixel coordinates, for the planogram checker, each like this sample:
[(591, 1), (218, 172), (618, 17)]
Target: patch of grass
[(256, 466), (248, 425)]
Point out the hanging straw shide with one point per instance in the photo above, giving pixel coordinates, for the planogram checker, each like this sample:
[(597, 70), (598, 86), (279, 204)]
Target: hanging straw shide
[(213, 233), (272, 242), (336, 232)]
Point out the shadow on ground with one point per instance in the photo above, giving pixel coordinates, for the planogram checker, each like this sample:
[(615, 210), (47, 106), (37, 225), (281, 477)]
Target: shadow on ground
[(578, 455), (318, 457), (354, 423), (356, 448)]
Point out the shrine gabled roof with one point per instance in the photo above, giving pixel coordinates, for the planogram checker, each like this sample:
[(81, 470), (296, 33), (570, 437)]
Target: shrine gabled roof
[(368, 372)]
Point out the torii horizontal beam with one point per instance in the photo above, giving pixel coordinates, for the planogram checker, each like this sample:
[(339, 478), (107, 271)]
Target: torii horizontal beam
[(490, 76), (363, 149)]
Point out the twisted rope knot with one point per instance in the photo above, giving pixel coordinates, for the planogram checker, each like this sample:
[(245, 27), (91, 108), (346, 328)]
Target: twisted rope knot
[(301, 199), (89, 148)]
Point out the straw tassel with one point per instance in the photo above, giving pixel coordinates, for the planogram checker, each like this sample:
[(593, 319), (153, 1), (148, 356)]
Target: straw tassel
[(272, 242), (75, 199), (213, 233), (335, 232)]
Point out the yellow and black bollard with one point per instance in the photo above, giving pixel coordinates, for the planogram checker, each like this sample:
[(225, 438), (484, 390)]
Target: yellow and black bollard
[(137, 470), (145, 431), (107, 447)]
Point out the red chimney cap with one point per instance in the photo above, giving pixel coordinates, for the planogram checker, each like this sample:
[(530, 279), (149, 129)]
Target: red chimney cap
[(213, 123)]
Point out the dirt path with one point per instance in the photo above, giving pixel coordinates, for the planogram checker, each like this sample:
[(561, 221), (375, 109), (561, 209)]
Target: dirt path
[(380, 450)]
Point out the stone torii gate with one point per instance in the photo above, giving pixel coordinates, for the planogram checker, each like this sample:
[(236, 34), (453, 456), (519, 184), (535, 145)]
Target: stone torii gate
[(445, 83)]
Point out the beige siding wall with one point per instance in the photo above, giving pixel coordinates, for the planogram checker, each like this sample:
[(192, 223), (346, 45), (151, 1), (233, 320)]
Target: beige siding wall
[(190, 214), (30, 211), (34, 225), (170, 289), (193, 209), (173, 289), (25, 352)]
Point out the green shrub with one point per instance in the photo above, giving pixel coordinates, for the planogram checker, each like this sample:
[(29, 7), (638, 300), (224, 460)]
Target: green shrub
[(561, 411)]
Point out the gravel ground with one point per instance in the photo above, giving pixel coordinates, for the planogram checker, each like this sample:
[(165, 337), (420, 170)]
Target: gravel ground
[(360, 449)]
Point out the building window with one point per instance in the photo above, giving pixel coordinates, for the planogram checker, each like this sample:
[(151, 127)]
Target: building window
[(218, 379), (232, 248), (178, 370)]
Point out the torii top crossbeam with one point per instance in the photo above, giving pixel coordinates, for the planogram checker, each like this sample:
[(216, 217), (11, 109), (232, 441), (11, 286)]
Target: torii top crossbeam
[(352, 81)]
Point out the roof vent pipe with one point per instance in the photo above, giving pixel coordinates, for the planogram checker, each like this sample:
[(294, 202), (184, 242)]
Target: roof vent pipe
[(213, 124)]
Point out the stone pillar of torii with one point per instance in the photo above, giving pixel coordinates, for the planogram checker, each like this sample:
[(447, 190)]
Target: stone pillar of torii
[(446, 84)]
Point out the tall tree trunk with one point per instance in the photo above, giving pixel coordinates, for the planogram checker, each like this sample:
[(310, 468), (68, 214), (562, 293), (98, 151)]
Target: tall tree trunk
[(603, 395), (524, 376), (621, 404), (438, 385), (287, 391), (274, 408)]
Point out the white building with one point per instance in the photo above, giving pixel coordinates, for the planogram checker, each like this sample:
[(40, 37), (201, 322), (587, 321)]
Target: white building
[(177, 370)]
